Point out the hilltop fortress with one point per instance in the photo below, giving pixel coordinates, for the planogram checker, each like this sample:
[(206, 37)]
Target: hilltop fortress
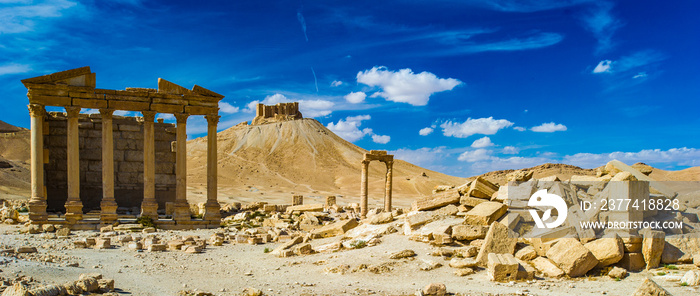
[(276, 113)]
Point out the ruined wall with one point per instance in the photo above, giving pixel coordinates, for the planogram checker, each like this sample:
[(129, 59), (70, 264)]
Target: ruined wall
[(128, 161), (275, 113)]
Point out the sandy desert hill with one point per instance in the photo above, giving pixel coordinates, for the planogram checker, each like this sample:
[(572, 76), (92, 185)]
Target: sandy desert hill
[(302, 157), (14, 161)]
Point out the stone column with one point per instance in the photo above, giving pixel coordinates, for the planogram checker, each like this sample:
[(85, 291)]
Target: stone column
[(388, 185), (74, 207), (37, 202), (182, 209), (212, 208), (149, 206), (363, 189), (108, 205)]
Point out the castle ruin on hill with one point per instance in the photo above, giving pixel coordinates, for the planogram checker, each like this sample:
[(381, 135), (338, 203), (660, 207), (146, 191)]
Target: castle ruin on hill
[(276, 113)]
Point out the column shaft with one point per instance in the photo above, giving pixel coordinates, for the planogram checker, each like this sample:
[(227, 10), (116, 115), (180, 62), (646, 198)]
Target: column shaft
[(149, 206), (363, 189), (108, 205), (388, 185), (212, 209), (74, 207), (37, 202), (182, 209)]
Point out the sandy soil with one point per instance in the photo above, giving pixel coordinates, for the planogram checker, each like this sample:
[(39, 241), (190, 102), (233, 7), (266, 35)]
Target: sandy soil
[(228, 269)]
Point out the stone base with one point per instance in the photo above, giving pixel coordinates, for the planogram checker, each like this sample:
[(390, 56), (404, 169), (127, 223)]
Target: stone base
[(212, 212), (108, 213), (74, 211), (181, 212), (37, 211), (149, 209)]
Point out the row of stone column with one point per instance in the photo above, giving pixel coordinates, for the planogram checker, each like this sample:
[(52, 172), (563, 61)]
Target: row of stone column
[(108, 205), (387, 187)]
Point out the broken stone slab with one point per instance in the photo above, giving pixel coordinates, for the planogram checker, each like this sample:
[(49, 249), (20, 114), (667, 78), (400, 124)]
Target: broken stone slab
[(547, 267), (415, 219), (574, 218), (286, 246), (464, 271), (691, 278), (608, 250), (673, 254), (652, 247), (572, 257), (659, 186), (650, 288), (485, 213), (510, 220), (436, 201), (381, 218), (157, 247), (482, 188), (336, 228), (25, 250), (469, 232), (428, 265), (519, 176), (466, 252), (525, 270), (402, 254), (365, 230), (499, 239), (565, 192), (435, 289), (129, 227), (305, 208), (463, 263), (303, 249), (470, 201), (527, 253), (502, 267), (447, 210)]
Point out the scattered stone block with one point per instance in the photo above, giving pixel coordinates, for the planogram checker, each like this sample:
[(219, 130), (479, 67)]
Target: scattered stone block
[(527, 253), (464, 271), (691, 278), (650, 288), (465, 252), (510, 220), (50, 290), (48, 228), (428, 265), (470, 201), (303, 249), (64, 231), (463, 263), (402, 254), (336, 228), (653, 247), (437, 200), (157, 247), (659, 186), (671, 254), (502, 267), (498, 240), (572, 257), (525, 271), (485, 213), (25, 250), (608, 250), (482, 188), (19, 289), (618, 273), (381, 218), (289, 244), (435, 289), (547, 267), (103, 243), (105, 285), (306, 208), (632, 261), (469, 232)]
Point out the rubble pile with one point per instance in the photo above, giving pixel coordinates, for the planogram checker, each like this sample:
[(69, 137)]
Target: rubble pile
[(87, 283)]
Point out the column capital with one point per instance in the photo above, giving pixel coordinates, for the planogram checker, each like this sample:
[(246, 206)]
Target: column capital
[(389, 163), (36, 110), (106, 112), (149, 115), (365, 161), (212, 119), (181, 117), (73, 111)]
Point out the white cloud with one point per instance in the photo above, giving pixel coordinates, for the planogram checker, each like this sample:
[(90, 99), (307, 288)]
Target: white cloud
[(227, 108), (425, 131), (89, 111), (336, 83), (404, 86), (484, 126), (422, 156), (349, 128), (640, 75), (603, 67), (380, 139), (510, 150), (519, 128), (166, 116), (549, 127), (601, 22), (20, 18), (13, 68), (475, 155), (355, 97), (482, 143), (308, 108), (124, 113)]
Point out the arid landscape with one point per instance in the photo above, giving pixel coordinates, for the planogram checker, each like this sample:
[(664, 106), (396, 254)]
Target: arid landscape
[(436, 240)]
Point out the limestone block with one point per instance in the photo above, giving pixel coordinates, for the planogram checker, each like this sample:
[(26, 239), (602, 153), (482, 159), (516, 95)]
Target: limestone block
[(336, 228), (691, 278), (482, 188), (103, 243), (381, 218), (167, 108), (572, 257), (511, 220), (502, 267), (519, 176), (435, 289), (525, 270), (463, 262), (303, 249), (157, 247), (498, 240), (19, 289), (436, 201), (650, 288), (652, 247), (402, 254), (608, 250), (526, 253), (306, 208), (632, 261), (470, 201), (466, 252), (659, 186), (469, 232), (485, 213), (547, 267), (617, 273), (416, 219), (286, 246), (25, 249)]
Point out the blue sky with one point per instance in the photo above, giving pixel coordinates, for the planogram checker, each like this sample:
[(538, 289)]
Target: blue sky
[(462, 87)]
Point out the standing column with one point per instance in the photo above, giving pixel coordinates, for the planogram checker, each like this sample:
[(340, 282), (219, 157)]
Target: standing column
[(149, 206), (74, 207), (211, 208), (37, 203), (182, 209), (388, 183), (108, 205), (363, 189)]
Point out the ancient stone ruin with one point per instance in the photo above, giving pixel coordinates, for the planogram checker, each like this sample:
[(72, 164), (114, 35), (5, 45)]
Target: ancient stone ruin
[(389, 161), (276, 113), (75, 90)]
